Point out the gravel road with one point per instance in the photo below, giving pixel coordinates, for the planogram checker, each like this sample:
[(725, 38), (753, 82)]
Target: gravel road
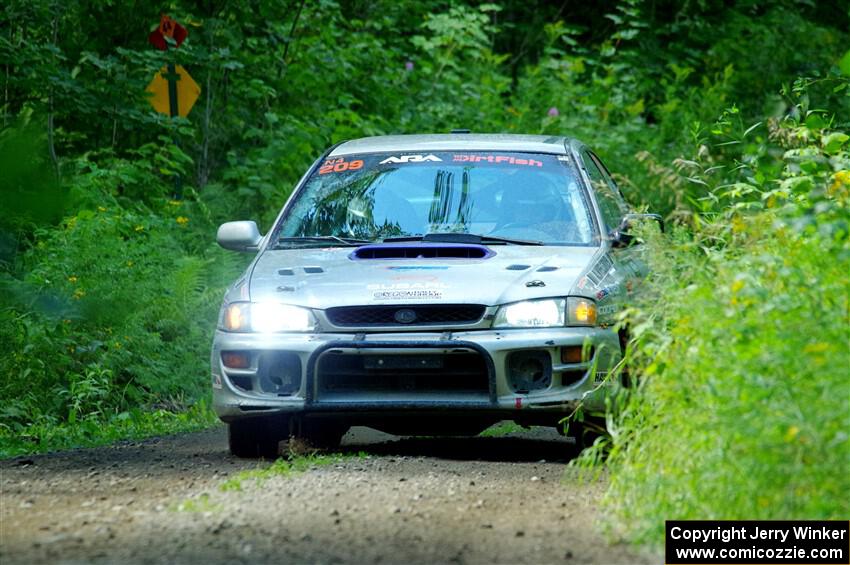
[(415, 500)]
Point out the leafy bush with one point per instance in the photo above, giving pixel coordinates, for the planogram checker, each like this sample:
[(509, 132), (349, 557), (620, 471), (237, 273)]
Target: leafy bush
[(115, 311), (741, 348)]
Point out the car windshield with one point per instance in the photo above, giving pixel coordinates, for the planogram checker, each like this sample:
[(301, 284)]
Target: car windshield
[(377, 196)]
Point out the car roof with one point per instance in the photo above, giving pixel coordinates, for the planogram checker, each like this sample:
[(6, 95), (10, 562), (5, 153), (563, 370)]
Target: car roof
[(456, 142)]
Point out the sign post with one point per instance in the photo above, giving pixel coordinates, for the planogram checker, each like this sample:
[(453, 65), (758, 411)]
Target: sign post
[(172, 90)]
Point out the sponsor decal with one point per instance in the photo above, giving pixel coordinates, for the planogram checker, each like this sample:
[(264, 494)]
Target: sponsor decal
[(602, 294), (608, 309), (408, 290), (407, 295), (425, 278), (340, 165), (497, 159), (410, 159)]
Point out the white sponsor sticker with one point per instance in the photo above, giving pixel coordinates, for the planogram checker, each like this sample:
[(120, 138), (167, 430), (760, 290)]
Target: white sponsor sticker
[(410, 159), (413, 290), (407, 295)]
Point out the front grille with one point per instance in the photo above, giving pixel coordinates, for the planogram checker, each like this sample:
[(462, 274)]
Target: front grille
[(403, 315), (402, 374)]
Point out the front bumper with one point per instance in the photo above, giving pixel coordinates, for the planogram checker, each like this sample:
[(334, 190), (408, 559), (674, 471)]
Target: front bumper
[(569, 383)]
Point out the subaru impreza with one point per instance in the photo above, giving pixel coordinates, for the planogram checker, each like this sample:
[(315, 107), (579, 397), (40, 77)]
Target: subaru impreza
[(427, 284)]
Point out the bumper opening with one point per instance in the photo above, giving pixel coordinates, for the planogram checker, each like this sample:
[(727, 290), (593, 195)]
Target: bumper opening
[(279, 372), (461, 374), (529, 370)]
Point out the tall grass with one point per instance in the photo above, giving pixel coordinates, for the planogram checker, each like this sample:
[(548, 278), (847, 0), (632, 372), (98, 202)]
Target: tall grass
[(742, 410)]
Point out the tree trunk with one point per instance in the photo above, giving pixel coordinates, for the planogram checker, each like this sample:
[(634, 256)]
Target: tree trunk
[(50, 126)]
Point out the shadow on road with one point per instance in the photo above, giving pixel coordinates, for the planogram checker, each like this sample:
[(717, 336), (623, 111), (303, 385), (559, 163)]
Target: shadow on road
[(528, 446)]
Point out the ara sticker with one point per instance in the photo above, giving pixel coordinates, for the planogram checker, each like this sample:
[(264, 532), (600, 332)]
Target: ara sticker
[(410, 159), (497, 159), (340, 165)]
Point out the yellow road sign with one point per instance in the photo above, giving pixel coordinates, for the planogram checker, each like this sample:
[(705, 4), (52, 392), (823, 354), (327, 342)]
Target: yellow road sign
[(187, 91)]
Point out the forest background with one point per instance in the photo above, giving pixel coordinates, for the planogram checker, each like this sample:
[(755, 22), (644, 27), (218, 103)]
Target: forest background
[(730, 118)]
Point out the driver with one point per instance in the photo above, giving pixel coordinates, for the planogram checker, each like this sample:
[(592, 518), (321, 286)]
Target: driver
[(531, 205)]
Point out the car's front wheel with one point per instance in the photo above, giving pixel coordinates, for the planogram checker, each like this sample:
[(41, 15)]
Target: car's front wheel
[(256, 437), (588, 431)]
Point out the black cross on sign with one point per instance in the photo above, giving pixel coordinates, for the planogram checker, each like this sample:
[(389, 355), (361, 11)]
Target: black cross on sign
[(172, 76)]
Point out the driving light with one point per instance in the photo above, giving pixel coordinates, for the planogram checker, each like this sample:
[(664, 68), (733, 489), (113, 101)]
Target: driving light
[(267, 317), (582, 311), (546, 313)]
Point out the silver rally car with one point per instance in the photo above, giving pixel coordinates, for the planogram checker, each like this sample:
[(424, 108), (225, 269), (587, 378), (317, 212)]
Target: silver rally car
[(426, 284)]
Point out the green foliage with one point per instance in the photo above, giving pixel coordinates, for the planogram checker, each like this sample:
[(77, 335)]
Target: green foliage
[(114, 309), (133, 424), (283, 467), (729, 119), (740, 343), (501, 429)]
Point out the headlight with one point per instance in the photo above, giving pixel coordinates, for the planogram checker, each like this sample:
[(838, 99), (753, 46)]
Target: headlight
[(267, 317), (531, 314), (547, 313)]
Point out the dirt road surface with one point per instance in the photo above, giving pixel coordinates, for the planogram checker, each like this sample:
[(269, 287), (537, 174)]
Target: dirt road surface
[(415, 500)]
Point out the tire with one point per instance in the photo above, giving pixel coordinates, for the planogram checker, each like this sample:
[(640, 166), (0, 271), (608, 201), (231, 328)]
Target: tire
[(585, 432), (588, 431), (256, 437)]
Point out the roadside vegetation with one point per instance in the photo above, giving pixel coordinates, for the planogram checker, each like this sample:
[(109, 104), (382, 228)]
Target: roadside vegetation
[(731, 120)]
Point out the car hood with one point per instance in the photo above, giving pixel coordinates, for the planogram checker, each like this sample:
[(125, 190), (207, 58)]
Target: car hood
[(329, 277)]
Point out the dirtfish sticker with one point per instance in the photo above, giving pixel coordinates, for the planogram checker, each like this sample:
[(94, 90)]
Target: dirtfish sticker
[(497, 159), (408, 291), (410, 159)]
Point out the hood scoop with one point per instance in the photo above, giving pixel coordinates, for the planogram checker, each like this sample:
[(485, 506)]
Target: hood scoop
[(422, 250)]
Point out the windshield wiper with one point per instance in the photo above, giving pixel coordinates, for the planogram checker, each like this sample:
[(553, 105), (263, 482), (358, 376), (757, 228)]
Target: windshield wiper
[(319, 241), (464, 238)]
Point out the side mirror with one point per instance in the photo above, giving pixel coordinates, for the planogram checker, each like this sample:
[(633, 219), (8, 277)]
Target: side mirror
[(621, 236), (239, 236)]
